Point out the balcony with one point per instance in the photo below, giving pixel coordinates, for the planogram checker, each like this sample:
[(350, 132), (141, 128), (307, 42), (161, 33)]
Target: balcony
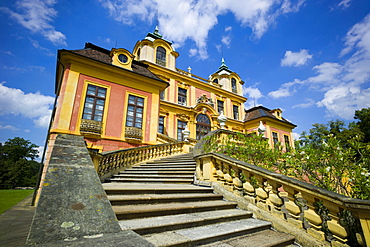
[(134, 133), (91, 127)]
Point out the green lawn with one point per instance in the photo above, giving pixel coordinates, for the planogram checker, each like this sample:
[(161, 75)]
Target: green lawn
[(8, 198)]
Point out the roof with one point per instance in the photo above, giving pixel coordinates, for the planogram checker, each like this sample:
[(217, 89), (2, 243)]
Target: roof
[(261, 111), (102, 55)]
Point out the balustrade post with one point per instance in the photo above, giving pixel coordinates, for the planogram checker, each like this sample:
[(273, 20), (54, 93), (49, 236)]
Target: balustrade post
[(315, 220), (237, 183), (294, 210), (275, 199), (262, 194), (220, 175), (228, 179), (248, 188), (339, 232)]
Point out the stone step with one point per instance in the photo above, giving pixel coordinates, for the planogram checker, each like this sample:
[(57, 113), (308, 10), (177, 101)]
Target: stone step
[(181, 221), (157, 176), (208, 233), (161, 198), (151, 210), (167, 163), (265, 238), (151, 172), (164, 166), (151, 180), (160, 169), (138, 188)]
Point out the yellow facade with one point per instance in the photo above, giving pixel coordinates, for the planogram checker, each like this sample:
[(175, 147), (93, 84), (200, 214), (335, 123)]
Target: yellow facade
[(171, 99)]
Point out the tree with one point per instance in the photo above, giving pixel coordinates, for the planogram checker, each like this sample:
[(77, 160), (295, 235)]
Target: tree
[(363, 116), (18, 167)]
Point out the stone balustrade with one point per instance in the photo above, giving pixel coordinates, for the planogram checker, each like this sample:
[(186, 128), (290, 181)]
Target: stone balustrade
[(109, 163), (332, 218)]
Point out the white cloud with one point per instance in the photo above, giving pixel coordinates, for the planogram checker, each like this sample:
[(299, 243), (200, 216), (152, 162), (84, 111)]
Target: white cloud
[(346, 86), (193, 52), (7, 52), (253, 94), (285, 90), (295, 58), (34, 106), (36, 16), (8, 127), (226, 40), (309, 103), (202, 14), (344, 4)]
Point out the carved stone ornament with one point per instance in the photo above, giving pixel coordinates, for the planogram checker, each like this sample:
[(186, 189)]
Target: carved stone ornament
[(204, 99), (133, 133), (91, 126), (183, 117), (222, 120)]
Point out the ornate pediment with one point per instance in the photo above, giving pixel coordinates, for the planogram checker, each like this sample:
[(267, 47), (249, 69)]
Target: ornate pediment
[(204, 99)]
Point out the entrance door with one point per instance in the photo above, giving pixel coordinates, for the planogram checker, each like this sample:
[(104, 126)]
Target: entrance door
[(203, 125)]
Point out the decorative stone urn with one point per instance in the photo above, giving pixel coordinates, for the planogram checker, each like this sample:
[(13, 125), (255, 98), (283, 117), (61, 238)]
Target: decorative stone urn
[(222, 120), (261, 129), (186, 133)]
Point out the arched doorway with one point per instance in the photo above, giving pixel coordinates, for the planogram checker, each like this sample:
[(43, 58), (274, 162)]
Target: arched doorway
[(203, 125)]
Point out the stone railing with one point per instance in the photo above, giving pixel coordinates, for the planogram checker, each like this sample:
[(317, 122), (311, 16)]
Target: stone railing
[(191, 75), (332, 218), (109, 163), (91, 126)]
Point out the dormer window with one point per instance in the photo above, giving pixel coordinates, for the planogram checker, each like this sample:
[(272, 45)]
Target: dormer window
[(122, 58), (161, 56), (215, 81), (233, 85)]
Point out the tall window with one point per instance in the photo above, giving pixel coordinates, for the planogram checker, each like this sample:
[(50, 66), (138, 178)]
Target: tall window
[(236, 112), (233, 85), (135, 109), (94, 103), (275, 139), (287, 143), (220, 106), (181, 125), (161, 56), (203, 126), (182, 96), (161, 95), (161, 125)]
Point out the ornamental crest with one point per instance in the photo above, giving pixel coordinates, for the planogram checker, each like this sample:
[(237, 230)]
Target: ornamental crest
[(204, 99)]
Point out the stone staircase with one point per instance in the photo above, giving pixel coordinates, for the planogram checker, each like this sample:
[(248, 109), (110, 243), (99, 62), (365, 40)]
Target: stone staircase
[(158, 201)]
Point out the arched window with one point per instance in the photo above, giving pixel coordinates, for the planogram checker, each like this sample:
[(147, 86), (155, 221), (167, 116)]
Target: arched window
[(203, 126), (161, 56), (233, 85)]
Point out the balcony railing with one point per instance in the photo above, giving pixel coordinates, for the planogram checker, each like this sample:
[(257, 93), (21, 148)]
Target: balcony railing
[(325, 215), (91, 127), (134, 133)]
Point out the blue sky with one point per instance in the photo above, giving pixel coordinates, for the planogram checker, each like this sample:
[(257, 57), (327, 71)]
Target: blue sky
[(310, 58)]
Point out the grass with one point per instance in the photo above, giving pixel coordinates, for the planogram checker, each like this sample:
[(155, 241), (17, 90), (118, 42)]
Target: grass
[(9, 198)]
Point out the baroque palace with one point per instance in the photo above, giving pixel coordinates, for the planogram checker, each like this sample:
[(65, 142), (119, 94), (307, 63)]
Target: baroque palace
[(119, 99)]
